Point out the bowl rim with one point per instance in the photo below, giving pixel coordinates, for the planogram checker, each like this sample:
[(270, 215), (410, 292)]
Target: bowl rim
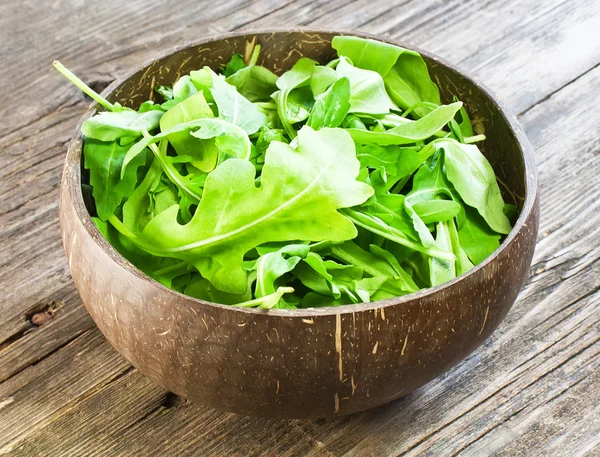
[(73, 182)]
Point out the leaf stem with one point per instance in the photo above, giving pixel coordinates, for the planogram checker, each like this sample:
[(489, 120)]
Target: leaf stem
[(182, 266), (254, 56), (473, 139), (121, 228), (268, 301), (169, 170), (83, 86)]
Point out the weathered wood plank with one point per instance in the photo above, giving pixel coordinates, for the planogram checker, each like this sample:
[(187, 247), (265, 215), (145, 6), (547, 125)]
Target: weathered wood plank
[(533, 388), (67, 319), (78, 431), (41, 393), (524, 50)]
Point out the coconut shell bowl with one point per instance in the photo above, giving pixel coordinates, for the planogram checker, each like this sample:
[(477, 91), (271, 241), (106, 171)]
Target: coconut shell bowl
[(307, 363)]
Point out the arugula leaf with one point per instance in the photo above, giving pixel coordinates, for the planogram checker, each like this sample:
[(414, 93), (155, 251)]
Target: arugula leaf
[(136, 210), (367, 54), (204, 128), (235, 108), (429, 186), (462, 263), (165, 91), (184, 88), (321, 79), (474, 180), (442, 270), (476, 238), (299, 104), (405, 73), (298, 76), (379, 227), (367, 91), (201, 288), (409, 132), (234, 215), (375, 265), (109, 126), (192, 108), (235, 64), (109, 188), (254, 82), (327, 277), (331, 106), (271, 266)]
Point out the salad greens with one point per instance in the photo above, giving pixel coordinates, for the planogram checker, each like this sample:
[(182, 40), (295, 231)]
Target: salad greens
[(330, 184)]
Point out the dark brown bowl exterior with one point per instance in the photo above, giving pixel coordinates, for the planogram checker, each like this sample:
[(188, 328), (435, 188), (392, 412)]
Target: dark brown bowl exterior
[(299, 363)]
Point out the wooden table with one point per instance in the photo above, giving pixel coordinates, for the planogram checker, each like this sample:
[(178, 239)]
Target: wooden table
[(532, 389)]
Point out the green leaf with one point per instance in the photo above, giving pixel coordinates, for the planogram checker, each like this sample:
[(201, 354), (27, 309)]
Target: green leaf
[(442, 270), (409, 132), (184, 88), (433, 211), (398, 162), (234, 107), (136, 210), (379, 227), (375, 265), (235, 64), (299, 75), (331, 106), (367, 91), (190, 109), (409, 83), (474, 179), (204, 128), (234, 215), (271, 266), (104, 160), (321, 79), (268, 301), (201, 288), (429, 187), (405, 73), (462, 263), (254, 82), (165, 91), (476, 238), (327, 277), (299, 104), (109, 126), (367, 54)]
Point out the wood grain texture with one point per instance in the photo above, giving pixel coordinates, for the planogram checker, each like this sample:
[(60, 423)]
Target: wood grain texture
[(532, 389)]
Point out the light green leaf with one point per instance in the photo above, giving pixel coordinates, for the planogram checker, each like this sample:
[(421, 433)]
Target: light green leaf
[(409, 132), (109, 188), (474, 179), (367, 91), (476, 238), (297, 199), (271, 266), (109, 126), (331, 106), (442, 270), (405, 73)]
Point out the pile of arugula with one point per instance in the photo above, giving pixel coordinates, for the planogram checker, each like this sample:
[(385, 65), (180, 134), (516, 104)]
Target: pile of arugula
[(331, 184)]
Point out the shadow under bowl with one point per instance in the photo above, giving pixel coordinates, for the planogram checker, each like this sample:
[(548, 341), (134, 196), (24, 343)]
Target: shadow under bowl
[(305, 363)]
